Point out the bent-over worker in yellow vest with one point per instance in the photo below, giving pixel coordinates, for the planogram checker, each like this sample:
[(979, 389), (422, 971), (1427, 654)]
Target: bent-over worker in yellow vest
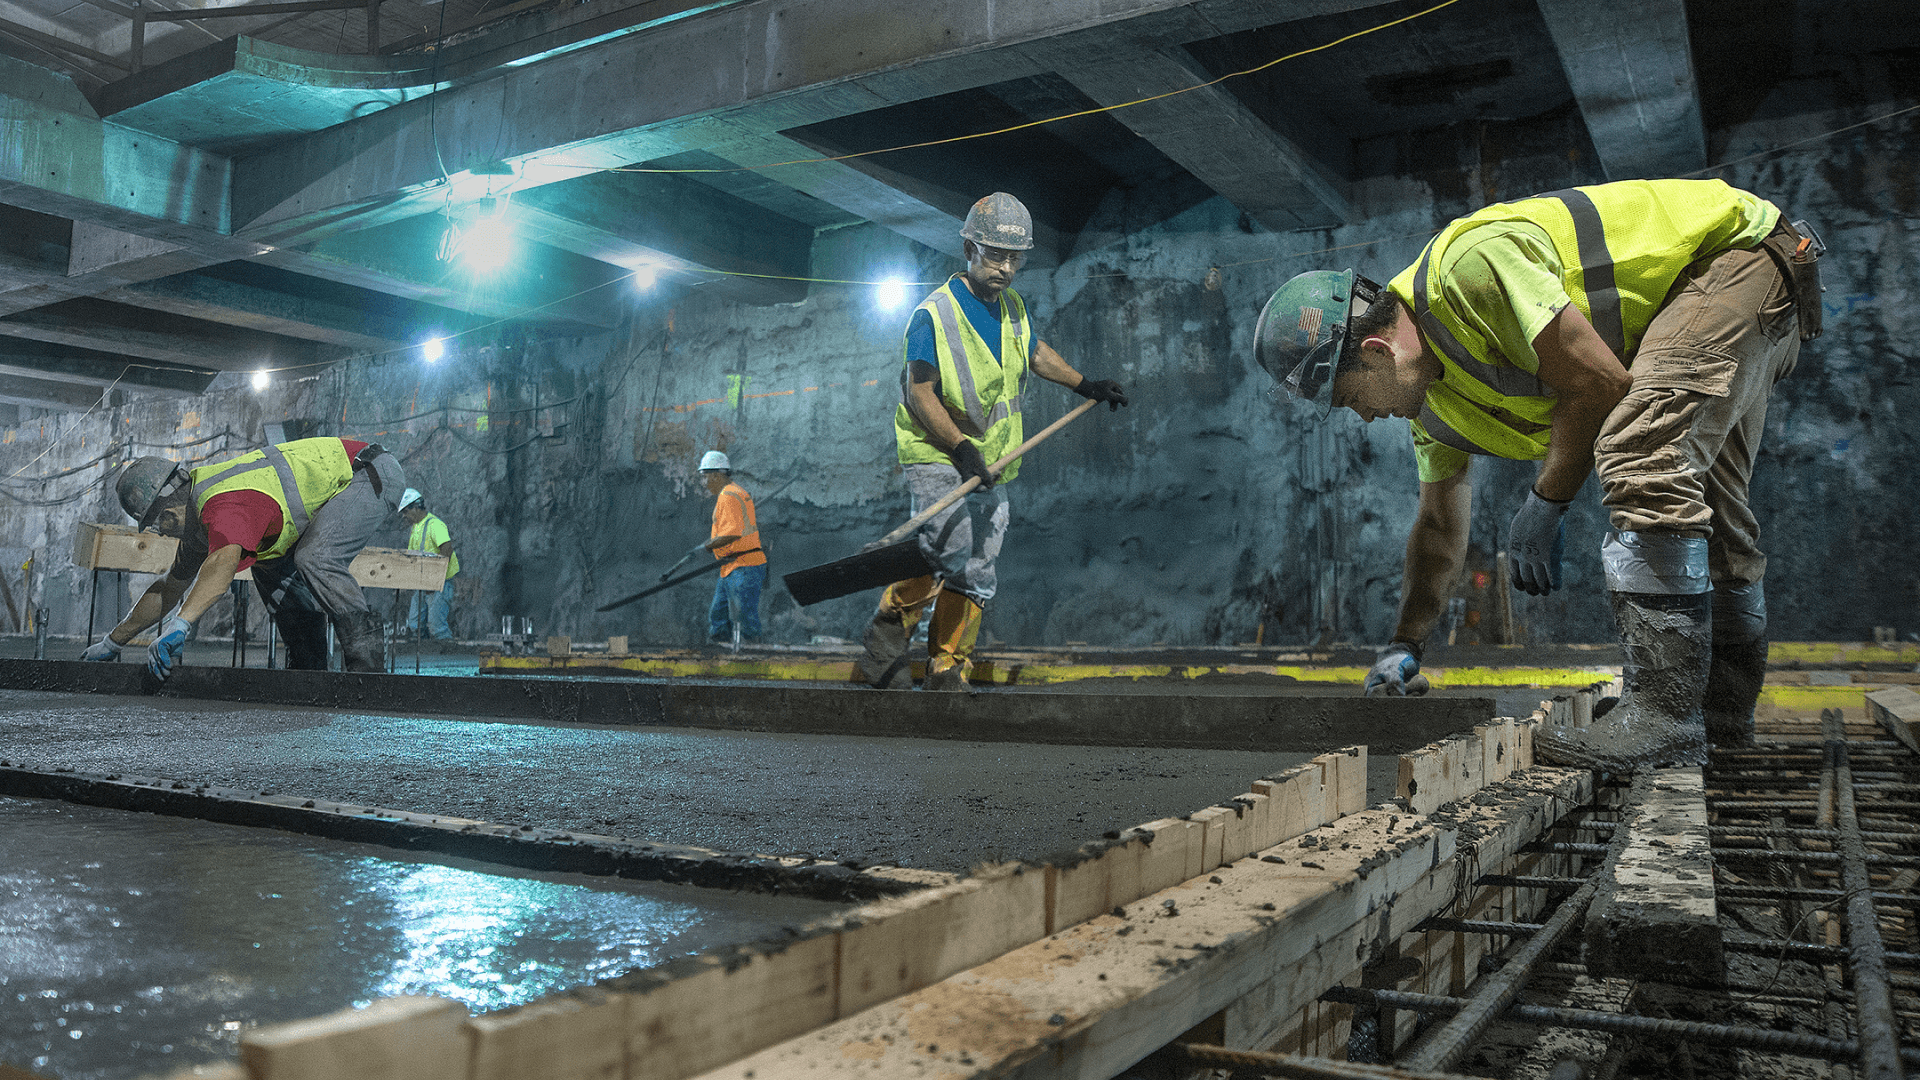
[(968, 349), (1635, 329), (296, 513)]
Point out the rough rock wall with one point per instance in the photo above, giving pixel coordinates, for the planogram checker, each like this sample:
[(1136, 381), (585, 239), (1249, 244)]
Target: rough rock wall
[(1206, 513)]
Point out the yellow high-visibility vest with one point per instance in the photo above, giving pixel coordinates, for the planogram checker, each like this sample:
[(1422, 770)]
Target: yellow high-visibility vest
[(1622, 246), (981, 395), (300, 475)]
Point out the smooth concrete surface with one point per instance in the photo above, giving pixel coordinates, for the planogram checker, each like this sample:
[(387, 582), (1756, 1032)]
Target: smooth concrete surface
[(929, 803), (132, 945)]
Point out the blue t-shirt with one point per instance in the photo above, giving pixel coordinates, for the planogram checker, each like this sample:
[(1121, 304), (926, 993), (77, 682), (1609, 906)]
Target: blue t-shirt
[(986, 322)]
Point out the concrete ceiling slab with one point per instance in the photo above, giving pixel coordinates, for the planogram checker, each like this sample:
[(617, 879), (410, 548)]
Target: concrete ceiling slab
[(1631, 68), (42, 393), (353, 322), (92, 323), (86, 367)]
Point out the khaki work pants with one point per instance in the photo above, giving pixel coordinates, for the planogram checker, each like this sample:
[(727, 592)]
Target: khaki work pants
[(1676, 455)]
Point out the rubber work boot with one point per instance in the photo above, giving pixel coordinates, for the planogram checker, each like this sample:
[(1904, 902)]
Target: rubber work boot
[(950, 638), (1668, 641), (305, 633), (1733, 687), (363, 645), (885, 665)]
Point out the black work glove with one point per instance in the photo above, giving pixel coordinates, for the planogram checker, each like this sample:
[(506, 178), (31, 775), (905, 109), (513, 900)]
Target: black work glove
[(968, 459), (1102, 390)]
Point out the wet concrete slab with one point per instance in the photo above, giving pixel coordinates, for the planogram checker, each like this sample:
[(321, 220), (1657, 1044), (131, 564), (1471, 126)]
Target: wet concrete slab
[(938, 804), (132, 944)]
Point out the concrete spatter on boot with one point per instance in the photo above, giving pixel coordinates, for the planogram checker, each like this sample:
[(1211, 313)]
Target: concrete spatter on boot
[(1668, 641), (884, 665)]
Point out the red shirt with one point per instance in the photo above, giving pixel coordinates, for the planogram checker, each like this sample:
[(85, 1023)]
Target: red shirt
[(249, 518)]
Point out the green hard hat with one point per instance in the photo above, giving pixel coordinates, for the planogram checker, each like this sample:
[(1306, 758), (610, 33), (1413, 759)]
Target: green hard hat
[(1301, 330)]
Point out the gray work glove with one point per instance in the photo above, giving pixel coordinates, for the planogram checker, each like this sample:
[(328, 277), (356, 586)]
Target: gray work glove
[(1396, 673), (1535, 541), (968, 459), (1102, 390), (104, 649)]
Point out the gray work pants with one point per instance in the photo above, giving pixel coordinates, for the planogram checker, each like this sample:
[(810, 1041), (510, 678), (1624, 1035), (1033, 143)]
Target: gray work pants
[(314, 577), (963, 541)]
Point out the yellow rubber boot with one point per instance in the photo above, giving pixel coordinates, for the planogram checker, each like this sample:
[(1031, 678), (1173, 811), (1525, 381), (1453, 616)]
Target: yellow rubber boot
[(885, 665), (950, 638)]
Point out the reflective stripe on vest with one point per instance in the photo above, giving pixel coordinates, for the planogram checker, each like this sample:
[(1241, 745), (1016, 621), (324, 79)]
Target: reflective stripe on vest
[(1660, 226), (272, 472), (947, 307)]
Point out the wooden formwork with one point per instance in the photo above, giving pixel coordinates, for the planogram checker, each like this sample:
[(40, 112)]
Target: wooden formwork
[(1232, 920)]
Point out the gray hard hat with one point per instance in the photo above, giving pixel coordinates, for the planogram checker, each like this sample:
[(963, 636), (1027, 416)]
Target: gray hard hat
[(1000, 221), (145, 485)]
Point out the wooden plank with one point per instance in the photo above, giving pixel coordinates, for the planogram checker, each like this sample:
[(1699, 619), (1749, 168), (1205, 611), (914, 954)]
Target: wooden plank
[(1654, 914), (1345, 776), (698, 1013), (1213, 823), (397, 1038), (122, 547), (559, 646), (617, 645), (1105, 875), (394, 568), (1441, 772), (1175, 959), (901, 944), (576, 1036), (1897, 709)]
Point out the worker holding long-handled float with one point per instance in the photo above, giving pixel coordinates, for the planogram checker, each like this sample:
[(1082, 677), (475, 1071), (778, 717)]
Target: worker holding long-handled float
[(968, 349), (296, 513), (1634, 328)]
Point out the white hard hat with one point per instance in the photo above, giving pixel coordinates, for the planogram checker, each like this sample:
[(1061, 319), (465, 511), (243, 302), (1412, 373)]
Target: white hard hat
[(715, 460), (408, 498)]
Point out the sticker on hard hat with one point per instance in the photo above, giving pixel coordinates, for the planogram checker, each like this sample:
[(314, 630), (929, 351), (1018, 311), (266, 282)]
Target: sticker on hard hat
[(1310, 323)]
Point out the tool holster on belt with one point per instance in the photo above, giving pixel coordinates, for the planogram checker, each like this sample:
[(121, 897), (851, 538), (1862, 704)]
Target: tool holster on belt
[(1796, 249)]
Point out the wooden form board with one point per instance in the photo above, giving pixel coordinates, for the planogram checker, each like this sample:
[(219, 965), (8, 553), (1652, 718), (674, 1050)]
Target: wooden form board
[(122, 547), (1455, 767), (697, 1014), (1897, 709), (394, 568), (1262, 937)]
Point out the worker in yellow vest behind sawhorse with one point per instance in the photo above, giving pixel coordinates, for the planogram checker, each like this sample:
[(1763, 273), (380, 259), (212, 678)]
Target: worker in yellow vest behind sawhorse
[(430, 536)]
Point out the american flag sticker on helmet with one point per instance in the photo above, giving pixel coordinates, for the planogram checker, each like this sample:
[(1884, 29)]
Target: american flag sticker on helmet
[(1310, 324)]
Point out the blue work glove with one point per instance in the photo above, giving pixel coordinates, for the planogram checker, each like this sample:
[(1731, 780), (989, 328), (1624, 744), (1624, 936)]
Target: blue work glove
[(1535, 541), (165, 650), (104, 649), (1396, 673)]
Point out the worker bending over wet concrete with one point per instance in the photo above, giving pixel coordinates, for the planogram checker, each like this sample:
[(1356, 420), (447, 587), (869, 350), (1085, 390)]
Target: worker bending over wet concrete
[(968, 349), (296, 513), (432, 614), (1636, 328), (734, 614)]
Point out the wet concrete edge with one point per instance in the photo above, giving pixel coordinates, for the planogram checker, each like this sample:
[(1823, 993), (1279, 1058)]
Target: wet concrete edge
[(1251, 722)]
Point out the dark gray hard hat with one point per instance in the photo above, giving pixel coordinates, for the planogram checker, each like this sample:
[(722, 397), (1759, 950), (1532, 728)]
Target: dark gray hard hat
[(145, 484)]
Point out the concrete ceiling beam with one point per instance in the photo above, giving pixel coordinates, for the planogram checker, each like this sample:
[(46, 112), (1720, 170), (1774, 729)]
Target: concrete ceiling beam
[(42, 393), (1631, 68), (91, 323), (402, 259), (1211, 134), (763, 67), (85, 367), (217, 300), (685, 229)]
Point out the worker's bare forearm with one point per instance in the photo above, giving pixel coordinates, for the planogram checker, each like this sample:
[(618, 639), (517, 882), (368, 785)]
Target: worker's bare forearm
[(216, 575), (1576, 424), (1436, 553), (923, 401), (1053, 367), (154, 603), (1589, 381)]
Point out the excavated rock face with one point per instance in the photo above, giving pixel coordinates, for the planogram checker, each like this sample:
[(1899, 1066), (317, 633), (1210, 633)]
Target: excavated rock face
[(1669, 644)]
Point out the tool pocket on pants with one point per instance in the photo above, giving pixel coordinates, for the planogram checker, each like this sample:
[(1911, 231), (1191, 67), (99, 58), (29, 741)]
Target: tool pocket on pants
[(1647, 432)]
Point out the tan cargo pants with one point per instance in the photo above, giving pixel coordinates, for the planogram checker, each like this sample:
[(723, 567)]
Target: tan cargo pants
[(1676, 455)]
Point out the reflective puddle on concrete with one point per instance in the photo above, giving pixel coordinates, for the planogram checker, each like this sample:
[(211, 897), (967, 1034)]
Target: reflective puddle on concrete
[(133, 944)]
